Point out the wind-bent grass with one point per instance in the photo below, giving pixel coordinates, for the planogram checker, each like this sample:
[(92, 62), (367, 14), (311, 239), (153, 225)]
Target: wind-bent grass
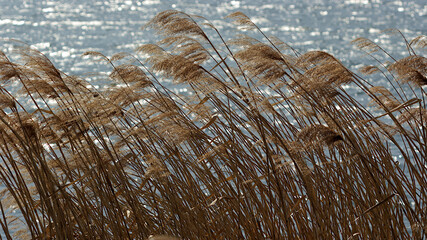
[(266, 143)]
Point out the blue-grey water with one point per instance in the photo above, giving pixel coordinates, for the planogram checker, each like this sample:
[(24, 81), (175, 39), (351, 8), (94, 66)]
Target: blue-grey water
[(65, 29)]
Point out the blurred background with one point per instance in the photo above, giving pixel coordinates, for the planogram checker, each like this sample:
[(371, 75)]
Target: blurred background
[(65, 29)]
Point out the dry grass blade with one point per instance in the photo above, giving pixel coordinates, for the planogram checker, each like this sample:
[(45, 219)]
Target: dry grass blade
[(375, 206), (397, 108)]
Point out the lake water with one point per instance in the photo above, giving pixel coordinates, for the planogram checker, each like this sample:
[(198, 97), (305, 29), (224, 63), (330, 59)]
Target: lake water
[(65, 29)]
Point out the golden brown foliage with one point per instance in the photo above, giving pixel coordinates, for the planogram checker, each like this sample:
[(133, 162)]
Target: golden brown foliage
[(262, 142)]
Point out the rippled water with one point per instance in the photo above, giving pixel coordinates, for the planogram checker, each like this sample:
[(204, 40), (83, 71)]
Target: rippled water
[(65, 29)]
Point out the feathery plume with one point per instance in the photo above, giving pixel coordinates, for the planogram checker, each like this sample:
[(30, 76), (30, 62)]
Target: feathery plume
[(320, 133), (411, 69)]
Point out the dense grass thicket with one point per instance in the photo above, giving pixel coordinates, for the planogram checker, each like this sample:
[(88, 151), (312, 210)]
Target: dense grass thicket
[(263, 142)]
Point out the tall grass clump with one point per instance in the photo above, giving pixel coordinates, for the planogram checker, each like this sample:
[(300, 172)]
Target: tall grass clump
[(263, 142)]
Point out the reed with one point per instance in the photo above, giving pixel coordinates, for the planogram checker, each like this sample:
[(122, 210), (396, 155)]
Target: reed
[(266, 143)]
